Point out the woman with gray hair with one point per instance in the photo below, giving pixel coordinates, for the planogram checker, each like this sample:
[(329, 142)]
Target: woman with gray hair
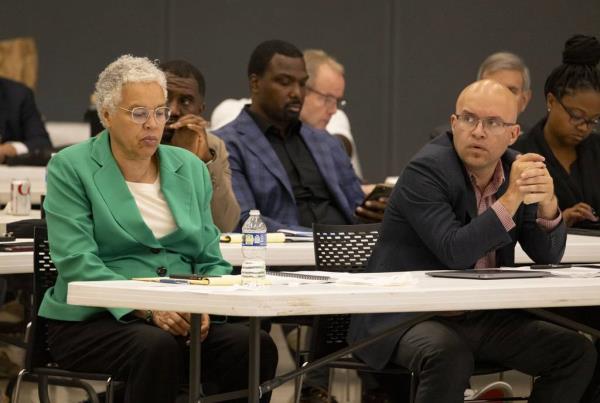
[(121, 205)]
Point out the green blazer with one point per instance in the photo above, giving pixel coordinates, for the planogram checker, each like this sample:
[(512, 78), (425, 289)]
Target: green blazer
[(96, 231)]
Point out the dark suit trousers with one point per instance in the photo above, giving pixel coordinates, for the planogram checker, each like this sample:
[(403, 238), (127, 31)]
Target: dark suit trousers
[(153, 363), (442, 352)]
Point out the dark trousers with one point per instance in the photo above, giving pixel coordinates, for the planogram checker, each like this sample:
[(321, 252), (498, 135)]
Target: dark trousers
[(590, 316), (442, 352), (153, 363)]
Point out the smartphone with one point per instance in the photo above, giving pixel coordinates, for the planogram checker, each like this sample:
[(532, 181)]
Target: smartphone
[(380, 190), (549, 266)]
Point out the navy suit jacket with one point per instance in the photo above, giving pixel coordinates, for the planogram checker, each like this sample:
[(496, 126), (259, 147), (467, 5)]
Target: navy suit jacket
[(431, 222), (20, 119), (260, 181)]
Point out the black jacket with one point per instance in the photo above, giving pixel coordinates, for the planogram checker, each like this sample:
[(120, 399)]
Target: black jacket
[(583, 183), (20, 119)]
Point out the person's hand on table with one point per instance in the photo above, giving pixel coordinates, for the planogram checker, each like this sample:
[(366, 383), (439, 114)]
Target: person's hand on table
[(579, 212), (7, 150), (372, 210)]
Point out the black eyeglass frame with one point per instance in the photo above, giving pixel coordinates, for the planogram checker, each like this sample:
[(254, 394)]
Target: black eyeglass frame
[(593, 124), (461, 117)]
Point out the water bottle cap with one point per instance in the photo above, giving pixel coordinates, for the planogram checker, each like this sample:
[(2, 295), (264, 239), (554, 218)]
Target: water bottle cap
[(254, 212)]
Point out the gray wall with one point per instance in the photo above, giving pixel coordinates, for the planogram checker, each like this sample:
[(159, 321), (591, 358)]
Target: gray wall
[(405, 60)]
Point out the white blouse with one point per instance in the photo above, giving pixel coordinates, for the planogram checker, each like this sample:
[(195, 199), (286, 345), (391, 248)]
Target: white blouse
[(153, 207)]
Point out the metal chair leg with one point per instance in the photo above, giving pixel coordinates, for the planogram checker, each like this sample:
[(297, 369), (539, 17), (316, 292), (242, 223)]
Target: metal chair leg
[(110, 391), (43, 389), (89, 390), (300, 383), (297, 382), (14, 398), (347, 373), (413, 387), (329, 385)]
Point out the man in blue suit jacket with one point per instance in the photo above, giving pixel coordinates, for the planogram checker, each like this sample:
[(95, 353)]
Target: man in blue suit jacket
[(463, 202), (294, 174), (21, 126)]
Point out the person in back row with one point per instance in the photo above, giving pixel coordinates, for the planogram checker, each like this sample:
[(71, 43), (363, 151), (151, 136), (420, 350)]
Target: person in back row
[(566, 137), (21, 128), (187, 129), (324, 101), (509, 70), (294, 174), (463, 202)]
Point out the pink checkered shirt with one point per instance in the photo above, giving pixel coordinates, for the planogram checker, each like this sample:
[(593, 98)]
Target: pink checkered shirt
[(487, 198)]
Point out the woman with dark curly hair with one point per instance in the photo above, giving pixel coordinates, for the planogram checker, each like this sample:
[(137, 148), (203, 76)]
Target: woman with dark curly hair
[(569, 135)]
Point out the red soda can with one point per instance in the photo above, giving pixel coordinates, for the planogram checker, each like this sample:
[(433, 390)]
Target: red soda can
[(20, 197)]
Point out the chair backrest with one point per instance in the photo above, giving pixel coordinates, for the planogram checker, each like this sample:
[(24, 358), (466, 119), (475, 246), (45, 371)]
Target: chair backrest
[(344, 248), (44, 277)]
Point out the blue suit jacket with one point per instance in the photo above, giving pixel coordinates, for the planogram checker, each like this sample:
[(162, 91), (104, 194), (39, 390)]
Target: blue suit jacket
[(431, 222), (260, 181), (20, 119)]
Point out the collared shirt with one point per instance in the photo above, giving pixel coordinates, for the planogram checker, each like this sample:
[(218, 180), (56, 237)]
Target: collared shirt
[(486, 198), (314, 200)]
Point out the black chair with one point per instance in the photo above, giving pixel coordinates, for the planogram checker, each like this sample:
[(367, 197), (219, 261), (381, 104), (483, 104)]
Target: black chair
[(39, 365), (347, 248), (344, 248)]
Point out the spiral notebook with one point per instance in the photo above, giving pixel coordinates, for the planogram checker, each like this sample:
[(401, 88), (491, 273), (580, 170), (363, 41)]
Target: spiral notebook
[(299, 276)]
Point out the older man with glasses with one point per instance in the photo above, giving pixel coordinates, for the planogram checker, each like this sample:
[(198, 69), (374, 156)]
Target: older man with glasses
[(462, 203), (509, 70), (324, 101)]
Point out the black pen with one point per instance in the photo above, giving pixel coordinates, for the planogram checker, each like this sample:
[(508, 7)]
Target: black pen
[(550, 266)]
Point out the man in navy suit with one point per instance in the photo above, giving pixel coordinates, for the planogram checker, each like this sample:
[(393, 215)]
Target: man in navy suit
[(294, 174), (463, 202), (21, 126)]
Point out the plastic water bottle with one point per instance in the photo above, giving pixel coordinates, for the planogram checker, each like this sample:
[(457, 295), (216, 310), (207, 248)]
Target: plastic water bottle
[(254, 249)]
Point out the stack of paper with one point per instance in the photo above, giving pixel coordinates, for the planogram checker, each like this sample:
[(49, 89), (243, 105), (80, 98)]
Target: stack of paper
[(370, 279), (576, 272)]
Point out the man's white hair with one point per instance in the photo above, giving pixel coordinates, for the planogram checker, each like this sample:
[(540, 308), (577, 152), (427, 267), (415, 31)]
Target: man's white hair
[(126, 69), (505, 61)]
